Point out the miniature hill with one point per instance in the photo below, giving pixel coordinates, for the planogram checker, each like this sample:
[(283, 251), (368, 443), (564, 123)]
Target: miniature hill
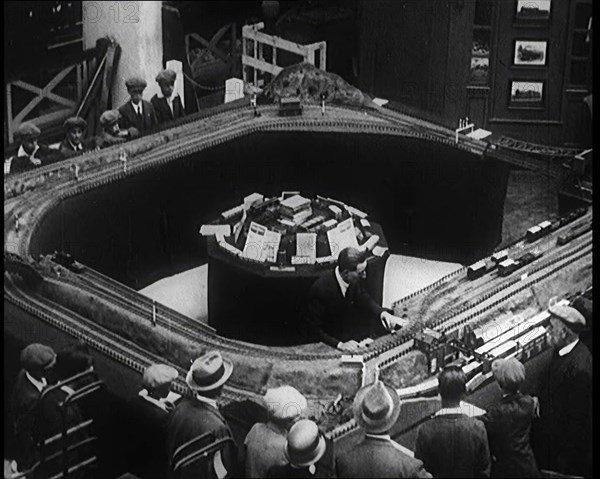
[(308, 82)]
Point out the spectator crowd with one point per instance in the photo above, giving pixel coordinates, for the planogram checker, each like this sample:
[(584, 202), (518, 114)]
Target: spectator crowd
[(135, 118), (179, 437)]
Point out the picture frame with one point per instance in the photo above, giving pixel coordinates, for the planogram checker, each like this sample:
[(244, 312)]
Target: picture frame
[(527, 94), (533, 10), (530, 53), (479, 70)]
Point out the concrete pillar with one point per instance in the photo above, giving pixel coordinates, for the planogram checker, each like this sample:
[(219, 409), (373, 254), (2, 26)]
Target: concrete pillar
[(137, 28)]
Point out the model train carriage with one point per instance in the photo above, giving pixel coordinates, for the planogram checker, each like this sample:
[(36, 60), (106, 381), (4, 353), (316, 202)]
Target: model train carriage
[(529, 257), (290, 106), (564, 238), (546, 227), (573, 215), (506, 267), (476, 270), (533, 233), (499, 257)]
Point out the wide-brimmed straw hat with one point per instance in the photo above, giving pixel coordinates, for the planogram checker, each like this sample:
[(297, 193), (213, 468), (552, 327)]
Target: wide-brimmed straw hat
[(209, 372)]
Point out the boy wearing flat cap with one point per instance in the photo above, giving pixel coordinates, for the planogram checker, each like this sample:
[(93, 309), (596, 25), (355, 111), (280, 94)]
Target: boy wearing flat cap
[(36, 361), (137, 112), (168, 105), (198, 415), (74, 144), (566, 397), (111, 132), (30, 155), (376, 410), (150, 412), (265, 441)]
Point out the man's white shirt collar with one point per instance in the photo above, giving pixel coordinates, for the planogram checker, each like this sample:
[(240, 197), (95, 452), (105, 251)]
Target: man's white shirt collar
[(161, 403), (39, 385), (22, 151), (170, 100), (343, 285), (75, 147), (137, 108), (449, 410), (568, 348), (210, 402)]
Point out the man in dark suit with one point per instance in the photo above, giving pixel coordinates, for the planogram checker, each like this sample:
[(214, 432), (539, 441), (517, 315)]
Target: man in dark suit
[(51, 417), (74, 144), (198, 415), (341, 312), (150, 411), (36, 361), (452, 444), (168, 106), (376, 410), (137, 112), (30, 155), (584, 306), (508, 423), (566, 397)]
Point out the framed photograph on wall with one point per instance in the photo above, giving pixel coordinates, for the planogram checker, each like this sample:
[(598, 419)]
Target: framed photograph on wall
[(530, 53), (535, 10), (526, 94), (479, 69)]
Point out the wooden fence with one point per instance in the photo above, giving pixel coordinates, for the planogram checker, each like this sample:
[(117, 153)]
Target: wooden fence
[(89, 78), (254, 58)]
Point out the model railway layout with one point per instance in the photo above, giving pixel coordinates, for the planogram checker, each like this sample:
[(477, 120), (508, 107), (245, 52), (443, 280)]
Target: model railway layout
[(466, 296)]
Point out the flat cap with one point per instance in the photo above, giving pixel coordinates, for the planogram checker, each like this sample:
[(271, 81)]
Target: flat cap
[(75, 122), (109, 117), (135, 83), (27, 131), (569, 316), (584, 306), (37, 356), (285, 402), (166, 76), (157, 375), (509, 373)]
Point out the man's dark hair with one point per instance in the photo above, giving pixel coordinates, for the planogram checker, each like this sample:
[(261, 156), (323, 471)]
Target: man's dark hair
[(350, 258), (73, 359), (452, 383)]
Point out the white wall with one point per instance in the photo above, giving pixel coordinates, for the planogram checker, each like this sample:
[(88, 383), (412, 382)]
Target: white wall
[(137, 28)]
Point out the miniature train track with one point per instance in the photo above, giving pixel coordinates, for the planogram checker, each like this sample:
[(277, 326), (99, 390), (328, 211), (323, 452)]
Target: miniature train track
[(179, 324), (102, 340), (399, 343), (224, 126)]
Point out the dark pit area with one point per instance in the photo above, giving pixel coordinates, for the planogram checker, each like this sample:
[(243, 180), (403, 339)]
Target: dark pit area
[(431, 200)]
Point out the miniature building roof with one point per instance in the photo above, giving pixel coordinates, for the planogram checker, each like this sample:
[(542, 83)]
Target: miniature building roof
[(295, 202)]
